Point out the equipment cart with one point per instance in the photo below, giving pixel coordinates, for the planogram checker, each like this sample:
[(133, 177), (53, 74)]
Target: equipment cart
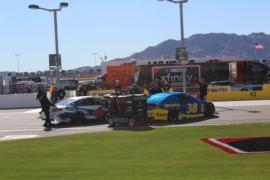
[(127, 109)]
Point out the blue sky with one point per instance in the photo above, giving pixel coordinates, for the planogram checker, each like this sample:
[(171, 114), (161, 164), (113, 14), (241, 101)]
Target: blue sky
[(116, 28)]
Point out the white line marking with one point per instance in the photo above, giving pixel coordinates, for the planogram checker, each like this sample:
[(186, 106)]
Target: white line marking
[(242, 103), (19, 130), (226, 146), (62, 129), (14, 137)]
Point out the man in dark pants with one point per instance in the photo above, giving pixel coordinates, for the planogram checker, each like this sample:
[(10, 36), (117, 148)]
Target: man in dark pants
[(203, 89), (45, 106), (39, 95)]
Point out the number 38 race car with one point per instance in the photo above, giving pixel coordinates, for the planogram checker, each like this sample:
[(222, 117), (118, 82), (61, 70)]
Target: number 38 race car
[(176, 106)]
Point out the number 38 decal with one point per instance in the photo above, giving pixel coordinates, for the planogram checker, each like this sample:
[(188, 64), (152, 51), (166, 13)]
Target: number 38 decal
[(192, 108)]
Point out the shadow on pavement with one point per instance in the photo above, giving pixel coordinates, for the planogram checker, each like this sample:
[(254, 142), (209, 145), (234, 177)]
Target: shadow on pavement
[(153, 124), (146, 127), (71, 125), (182, 122), (136, 128), (223, 109)]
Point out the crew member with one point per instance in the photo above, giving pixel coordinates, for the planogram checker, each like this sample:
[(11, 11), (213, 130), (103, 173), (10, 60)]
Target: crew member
[(45, 106)]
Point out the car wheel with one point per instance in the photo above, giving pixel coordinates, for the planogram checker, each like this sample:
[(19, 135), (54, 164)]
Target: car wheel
[(78, 117), (209, 109), (131, 122), (173, 115), (111, 122)]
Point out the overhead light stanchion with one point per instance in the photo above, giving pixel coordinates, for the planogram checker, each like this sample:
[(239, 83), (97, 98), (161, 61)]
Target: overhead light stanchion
[(181, 52), (56, 58)]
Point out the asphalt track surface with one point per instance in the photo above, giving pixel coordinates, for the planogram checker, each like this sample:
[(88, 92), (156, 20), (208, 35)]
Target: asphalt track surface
[(25, 123)]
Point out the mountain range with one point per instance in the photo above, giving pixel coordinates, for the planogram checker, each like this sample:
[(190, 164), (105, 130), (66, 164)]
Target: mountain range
[(212, 46), (203, 47)]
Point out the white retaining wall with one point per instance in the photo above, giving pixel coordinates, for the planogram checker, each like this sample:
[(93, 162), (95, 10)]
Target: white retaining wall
[(10, 101)]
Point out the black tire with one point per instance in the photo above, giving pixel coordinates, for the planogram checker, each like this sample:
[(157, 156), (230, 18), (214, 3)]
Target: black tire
[(78, 117), (111, 122), (173, 115), (131, 122), (209, 109)]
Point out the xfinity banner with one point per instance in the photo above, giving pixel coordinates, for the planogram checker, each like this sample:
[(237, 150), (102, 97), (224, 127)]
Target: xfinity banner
[(174, 75)]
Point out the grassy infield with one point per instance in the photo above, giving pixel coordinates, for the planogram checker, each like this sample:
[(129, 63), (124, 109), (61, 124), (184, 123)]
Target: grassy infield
[(166, 153)]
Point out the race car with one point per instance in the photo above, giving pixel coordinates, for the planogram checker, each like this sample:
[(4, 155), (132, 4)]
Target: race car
[(173, 106), (79, 109), (235, 86)]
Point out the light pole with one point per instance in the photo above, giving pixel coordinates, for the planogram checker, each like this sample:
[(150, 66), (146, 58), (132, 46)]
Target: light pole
[(181, 52), (57, 55), (18, 63)]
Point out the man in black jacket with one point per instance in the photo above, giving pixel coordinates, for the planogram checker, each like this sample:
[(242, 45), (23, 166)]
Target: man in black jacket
[(39, 95), (203, 89), (45, 106)]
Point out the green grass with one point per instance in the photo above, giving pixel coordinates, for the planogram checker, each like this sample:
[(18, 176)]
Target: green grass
[(165, 153)]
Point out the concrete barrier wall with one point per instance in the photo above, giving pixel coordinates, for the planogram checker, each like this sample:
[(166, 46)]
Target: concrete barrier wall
[(100, 92), (9, 101)]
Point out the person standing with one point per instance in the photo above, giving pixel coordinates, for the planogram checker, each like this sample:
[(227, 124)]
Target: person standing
[(155, 89), (54, 96), (39, 95), (134, 89), (146, 89), (117, 87), (203, 89), (45, 106), (61, 93), (53, 92), (166, 86)]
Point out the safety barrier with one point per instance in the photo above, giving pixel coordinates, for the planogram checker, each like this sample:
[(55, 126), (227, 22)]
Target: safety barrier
[(224, 93), (220, 93), (9, 101), (27, 100), (101, 92)]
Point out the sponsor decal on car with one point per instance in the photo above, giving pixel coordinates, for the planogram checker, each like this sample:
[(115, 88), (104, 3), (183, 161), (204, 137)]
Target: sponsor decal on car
[(218, 89), (100, 112)]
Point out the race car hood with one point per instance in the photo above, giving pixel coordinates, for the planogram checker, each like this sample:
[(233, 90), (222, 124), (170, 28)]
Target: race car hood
[(164, 98)]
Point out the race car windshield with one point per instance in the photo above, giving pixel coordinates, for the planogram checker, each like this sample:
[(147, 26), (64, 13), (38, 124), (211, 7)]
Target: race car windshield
[(65, 102)]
